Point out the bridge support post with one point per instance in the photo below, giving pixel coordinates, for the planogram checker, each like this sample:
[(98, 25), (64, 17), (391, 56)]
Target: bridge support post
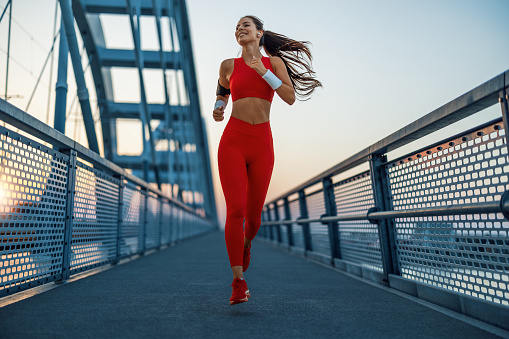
[(331, 211), (386, 233), (305, 226), (278, 226), (120, 217), (288, 216), (69, 215), (61, 86)]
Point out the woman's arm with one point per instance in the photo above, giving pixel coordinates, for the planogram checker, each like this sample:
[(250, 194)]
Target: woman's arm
[(225, 71), (285, 91)]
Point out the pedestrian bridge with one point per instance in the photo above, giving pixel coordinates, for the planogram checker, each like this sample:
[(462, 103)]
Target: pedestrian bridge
[(383, 246)]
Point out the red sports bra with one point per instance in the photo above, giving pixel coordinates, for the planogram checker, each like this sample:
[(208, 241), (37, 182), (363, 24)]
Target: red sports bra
[(245, 82)]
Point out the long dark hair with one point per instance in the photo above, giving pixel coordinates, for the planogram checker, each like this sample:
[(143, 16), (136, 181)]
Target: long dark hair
[(296, 56)]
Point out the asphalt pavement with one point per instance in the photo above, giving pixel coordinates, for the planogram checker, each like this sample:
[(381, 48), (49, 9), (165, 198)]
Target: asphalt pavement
[(183, 292)]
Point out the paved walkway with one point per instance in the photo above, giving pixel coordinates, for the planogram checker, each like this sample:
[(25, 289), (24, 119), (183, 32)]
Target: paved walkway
[(183, 292)]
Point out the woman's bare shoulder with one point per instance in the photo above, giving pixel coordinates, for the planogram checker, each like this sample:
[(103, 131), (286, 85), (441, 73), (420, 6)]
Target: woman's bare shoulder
[(227, 65), (275, 60)]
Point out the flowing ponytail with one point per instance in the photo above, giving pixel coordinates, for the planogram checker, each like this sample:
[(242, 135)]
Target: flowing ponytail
[(296, 57)]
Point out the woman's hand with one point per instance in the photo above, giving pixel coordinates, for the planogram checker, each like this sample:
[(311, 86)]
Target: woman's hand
[(257, 65), (218, 114)]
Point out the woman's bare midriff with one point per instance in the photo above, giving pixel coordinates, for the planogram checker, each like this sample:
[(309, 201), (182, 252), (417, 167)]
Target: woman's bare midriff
[(251, 110)]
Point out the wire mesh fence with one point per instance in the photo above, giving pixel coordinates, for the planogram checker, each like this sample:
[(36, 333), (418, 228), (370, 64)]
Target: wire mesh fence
[(61, 214), (437, 216)]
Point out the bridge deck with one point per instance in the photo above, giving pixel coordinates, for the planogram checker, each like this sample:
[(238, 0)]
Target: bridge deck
[(183, 291)]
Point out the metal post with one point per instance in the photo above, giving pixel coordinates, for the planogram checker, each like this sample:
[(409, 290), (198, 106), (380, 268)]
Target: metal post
[(278, 226), (288, 216), (503, 98), (381, 193), (304, 215), (8, 48), (52, 63), (120, 222), (170, 225), (331, 210), (180, 224), (269, 218), (144, 226), (161, 222), (69, 215), (86, 110), (61, 86), (262, 228), (265, 232)]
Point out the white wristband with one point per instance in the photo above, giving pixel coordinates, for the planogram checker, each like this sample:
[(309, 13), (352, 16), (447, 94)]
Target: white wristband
[(272, 80), (219, 103)]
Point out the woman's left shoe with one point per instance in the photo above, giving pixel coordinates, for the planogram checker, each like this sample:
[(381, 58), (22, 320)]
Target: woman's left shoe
[(240, 293)]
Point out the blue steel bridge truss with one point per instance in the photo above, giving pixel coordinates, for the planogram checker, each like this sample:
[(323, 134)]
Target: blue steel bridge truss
[(175, 152)]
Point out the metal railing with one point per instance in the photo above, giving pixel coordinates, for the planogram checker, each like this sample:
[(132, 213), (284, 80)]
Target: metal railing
[(432, 223), (64, 209)]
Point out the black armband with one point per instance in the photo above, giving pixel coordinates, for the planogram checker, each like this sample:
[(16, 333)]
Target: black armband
[(221, 90)]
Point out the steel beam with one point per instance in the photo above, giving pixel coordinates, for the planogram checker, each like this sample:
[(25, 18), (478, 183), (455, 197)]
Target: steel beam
[(127, 58), (125, 110), (118, 7), (92, 34), (5, 9), (86, 110), (61, 86), (182, 22), (9, 4), (145, 111), (168, 123)]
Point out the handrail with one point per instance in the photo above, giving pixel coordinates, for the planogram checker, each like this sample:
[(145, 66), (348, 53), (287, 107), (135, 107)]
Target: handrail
[(465, 105), (489, 207)]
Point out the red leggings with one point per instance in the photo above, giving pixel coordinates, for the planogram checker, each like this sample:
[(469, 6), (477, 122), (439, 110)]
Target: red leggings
[(245, 160)]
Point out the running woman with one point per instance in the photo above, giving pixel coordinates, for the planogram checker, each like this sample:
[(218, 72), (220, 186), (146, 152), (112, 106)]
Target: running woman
[(246, 154)]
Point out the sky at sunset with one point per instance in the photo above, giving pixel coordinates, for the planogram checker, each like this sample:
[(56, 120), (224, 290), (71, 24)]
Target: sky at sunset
[(382, 65)]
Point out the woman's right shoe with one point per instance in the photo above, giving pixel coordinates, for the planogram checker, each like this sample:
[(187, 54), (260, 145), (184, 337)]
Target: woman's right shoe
[(247, 258), (240, 293)]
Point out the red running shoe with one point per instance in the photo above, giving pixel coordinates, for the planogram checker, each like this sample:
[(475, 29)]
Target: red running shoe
[(247, 258), (240, 292)]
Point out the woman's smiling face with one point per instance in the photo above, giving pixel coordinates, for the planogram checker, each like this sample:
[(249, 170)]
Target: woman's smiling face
[(246, 31)]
